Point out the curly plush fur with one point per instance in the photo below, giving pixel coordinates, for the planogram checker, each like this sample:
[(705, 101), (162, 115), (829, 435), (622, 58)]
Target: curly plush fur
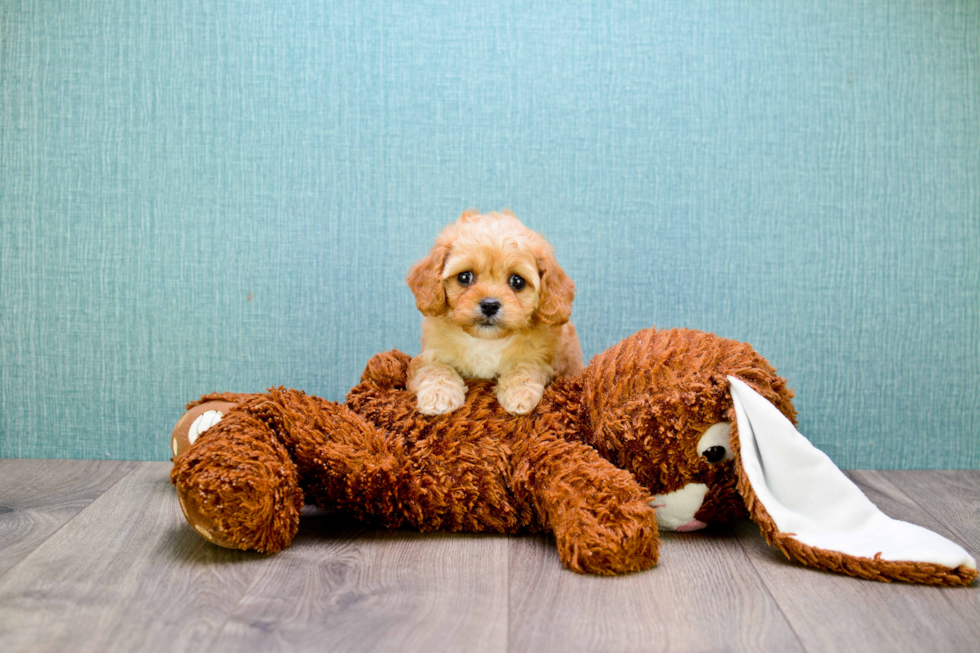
[(584, 465)]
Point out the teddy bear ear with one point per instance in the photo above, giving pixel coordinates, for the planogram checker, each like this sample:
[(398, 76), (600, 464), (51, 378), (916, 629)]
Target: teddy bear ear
[(813, 513)]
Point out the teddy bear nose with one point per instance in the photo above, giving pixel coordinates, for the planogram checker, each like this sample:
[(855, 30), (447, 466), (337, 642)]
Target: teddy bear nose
[(489, 307)]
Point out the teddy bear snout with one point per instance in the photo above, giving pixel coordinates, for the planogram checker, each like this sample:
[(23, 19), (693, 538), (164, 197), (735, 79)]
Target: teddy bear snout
[(676, 510)]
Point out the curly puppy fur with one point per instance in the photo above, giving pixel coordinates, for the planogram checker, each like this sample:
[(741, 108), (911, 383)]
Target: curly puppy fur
[(496, 306)]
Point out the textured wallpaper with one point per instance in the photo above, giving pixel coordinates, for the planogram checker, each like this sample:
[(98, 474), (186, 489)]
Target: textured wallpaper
[(214, 195)]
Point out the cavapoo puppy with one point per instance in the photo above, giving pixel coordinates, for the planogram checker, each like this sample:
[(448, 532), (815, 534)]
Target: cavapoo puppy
[(496, 306)]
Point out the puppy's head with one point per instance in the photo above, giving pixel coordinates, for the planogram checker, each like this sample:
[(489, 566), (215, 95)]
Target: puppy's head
[(492, 276)]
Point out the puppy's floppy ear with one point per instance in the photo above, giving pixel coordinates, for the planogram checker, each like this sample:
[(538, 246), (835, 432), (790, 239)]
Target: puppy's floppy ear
[(425, 281), (557, 290)]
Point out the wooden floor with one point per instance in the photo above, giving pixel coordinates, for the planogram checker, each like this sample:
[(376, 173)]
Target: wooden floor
[(96, 556)]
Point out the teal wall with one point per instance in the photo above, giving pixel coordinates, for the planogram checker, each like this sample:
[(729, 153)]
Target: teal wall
[(217, 195)]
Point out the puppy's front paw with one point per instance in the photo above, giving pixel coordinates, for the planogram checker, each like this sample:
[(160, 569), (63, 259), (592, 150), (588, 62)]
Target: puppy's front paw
[(518, 399), (439, 398)]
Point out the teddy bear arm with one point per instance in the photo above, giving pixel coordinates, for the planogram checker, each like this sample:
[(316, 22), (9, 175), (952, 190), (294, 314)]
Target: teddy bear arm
[(597, 512), (388, 369)]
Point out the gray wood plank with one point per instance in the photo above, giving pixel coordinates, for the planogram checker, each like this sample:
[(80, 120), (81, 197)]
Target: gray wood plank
[(833, 612), (703, 595), (37, 497), (947, 502), (345, 587), (125, 574)]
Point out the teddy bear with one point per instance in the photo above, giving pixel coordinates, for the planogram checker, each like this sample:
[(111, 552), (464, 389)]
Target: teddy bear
[(667, 430)]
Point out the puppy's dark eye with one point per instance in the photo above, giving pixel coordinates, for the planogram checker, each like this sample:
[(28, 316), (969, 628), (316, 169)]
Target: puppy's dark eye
[(464, 278), (517, 282), (714, 454)]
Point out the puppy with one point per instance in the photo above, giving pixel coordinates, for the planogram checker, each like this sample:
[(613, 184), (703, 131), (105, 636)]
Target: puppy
[(496, 306)]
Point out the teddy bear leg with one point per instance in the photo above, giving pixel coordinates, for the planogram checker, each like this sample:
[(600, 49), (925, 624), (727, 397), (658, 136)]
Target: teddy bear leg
[(238, 486), (358, 471), (344, 462), (362, 481), (597, 512)]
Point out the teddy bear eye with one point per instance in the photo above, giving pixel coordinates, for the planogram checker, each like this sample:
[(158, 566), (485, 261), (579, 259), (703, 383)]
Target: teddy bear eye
[(464, 278), (714, 445), (714, 454), (517, 281)]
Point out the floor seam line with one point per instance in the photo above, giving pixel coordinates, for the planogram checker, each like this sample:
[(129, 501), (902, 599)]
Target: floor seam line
[(769, 593), (4, 575)]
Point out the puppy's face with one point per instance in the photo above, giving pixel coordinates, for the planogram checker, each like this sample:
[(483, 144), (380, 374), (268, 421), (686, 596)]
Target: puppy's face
[(491, 285), (492, 276)]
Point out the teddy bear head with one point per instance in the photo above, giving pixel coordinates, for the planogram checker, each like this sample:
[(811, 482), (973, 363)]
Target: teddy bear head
[(658, 404), (708, 427)]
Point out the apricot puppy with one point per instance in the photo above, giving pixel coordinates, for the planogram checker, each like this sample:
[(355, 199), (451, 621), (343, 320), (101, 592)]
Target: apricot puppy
[(496, 306)]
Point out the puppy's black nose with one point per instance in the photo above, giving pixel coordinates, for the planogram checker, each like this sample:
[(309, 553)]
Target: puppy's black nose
[(489, 307)]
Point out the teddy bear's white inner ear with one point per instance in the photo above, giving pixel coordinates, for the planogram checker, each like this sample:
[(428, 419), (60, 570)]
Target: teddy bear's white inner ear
[(807, 495)]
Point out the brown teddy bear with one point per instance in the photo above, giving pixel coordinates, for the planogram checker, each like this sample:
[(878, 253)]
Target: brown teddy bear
[(678, 427)]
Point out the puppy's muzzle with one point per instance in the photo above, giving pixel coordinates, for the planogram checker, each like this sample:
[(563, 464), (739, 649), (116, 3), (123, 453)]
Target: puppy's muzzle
[(489, 307)]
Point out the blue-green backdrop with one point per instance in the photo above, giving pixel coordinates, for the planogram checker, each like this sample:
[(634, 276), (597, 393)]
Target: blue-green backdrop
[(204, 195)]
